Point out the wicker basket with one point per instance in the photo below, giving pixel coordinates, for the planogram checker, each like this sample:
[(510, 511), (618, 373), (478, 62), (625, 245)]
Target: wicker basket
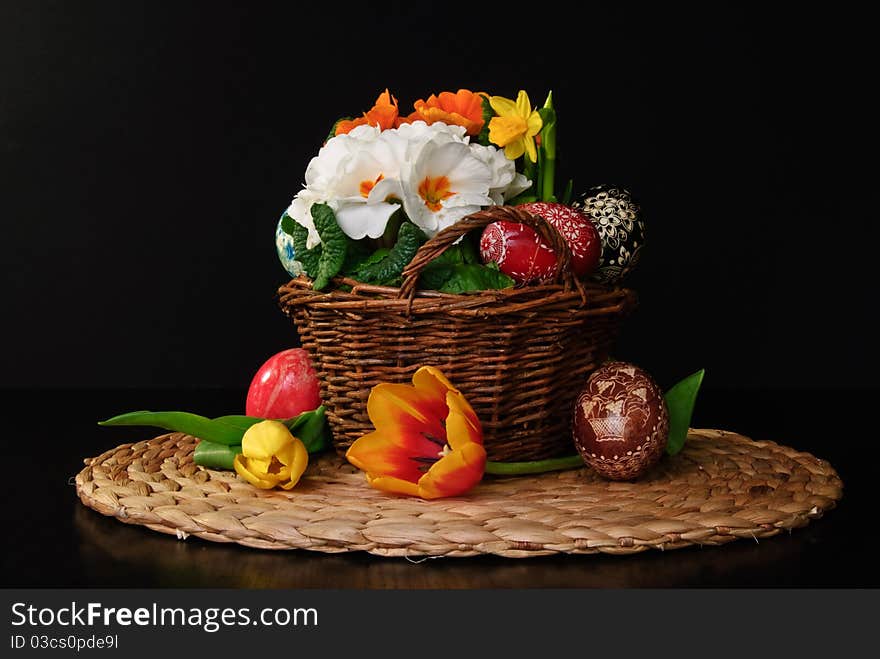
[(520, 355)]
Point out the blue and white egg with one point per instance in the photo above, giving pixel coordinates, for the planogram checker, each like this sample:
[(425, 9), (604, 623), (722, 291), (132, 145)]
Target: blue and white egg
[(286, 252)]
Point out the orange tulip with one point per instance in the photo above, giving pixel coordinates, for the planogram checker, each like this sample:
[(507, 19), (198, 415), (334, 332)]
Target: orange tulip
[(428, 441), (464, 108), (383, 114)]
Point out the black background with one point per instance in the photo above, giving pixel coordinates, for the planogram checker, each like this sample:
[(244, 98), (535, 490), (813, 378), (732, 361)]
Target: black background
[(147, 150)]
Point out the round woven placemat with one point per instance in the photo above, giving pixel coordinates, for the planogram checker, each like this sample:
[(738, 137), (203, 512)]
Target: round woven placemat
[(723, 486)]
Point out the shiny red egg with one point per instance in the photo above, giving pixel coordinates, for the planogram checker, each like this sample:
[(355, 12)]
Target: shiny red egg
[(285, 386)]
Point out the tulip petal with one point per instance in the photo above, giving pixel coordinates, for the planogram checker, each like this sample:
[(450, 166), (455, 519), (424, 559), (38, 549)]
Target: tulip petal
[(454, 474), (240, 463), (380, 453), (412, 414), (393, 485), (429, 379), (295, 458), (462, 425), (265, 439)]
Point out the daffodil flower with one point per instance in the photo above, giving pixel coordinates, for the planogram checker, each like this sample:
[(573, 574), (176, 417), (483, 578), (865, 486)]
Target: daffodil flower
[(271, 456), (515, 127), (428, 441)]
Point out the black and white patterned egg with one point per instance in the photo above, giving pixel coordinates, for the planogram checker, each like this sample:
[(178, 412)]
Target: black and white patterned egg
[(620, 226)]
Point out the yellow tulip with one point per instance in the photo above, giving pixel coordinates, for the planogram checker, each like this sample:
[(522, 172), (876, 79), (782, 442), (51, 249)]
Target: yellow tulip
[(515, 127), (271, 456)]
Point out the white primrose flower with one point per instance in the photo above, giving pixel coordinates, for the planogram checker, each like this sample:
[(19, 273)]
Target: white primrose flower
[(433, 170), (326, 177), (365, 191), (445, 183), (506, 182)]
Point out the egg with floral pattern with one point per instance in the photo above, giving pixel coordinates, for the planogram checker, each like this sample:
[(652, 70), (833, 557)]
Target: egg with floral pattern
[(620, 422), (286, 252), (622, 231)]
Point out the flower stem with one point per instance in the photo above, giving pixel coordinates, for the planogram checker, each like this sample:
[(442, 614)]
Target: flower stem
[(548, 151), (534, 467)]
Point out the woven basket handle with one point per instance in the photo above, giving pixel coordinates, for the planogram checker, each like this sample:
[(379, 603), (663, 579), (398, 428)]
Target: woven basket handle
[(479, 220)]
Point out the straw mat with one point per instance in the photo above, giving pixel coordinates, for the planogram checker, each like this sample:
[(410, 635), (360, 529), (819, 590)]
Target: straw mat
[(721, 487)]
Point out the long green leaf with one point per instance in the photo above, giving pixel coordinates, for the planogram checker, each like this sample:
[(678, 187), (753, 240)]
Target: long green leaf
[(680, 401), (310, 427), (214, 455), (212, 430)]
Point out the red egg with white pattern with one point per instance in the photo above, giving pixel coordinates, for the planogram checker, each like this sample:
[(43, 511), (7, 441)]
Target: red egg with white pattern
[(518, 250), (577, 229)]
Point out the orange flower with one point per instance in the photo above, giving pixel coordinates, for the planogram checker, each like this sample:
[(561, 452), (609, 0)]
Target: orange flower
[(383, 114), (464, 108), (428, 441)]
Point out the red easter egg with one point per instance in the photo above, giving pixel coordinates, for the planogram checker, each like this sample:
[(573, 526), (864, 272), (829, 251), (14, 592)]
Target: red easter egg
[(577, 229), (518, 250), (285, 386)]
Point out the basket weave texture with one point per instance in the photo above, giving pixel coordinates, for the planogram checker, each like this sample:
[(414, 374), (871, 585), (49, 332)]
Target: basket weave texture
[(721, 487), (519, 355)]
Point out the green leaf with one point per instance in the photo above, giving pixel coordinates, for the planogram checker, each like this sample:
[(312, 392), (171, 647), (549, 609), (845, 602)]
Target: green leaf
[(308, 257), (355, 255), (311, 427), (488, 113), (462, 253), (212, 430), (389, 268), (334, 245), (214, 455), (463, 278), (680, 401), (355, 265)]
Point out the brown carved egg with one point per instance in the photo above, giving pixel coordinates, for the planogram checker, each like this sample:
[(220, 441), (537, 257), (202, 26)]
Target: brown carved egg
[(621, 423)]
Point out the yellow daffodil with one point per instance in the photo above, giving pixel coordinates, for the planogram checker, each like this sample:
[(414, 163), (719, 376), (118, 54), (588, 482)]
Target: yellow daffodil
[(515, 127), (271, 456)]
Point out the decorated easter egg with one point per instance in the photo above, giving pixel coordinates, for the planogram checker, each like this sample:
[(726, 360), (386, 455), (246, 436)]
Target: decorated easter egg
[(620, 421), (284, 386), (577, 229), (621, 230), (286, 253), (518, 250)]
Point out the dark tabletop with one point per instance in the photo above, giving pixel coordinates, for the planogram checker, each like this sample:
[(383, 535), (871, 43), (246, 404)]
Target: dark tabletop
[(51, 539)]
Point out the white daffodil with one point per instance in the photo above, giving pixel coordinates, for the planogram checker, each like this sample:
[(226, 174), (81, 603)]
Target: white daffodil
[(506, 182), (445, 183)]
